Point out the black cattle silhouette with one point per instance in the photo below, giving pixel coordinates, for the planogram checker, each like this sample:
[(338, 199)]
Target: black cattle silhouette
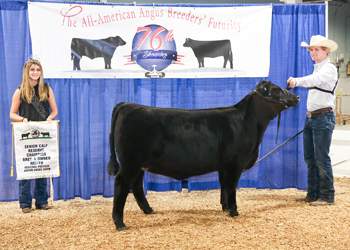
[(45, 134), (94, 48), (211, 49), (25, 135)]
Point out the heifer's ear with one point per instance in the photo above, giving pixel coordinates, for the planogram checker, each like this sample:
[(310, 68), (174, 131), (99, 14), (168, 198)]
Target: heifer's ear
[(259, 84), (269, 85), (262, 86)]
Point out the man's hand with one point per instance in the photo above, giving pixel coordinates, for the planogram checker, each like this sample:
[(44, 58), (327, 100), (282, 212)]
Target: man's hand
[(291, 83)]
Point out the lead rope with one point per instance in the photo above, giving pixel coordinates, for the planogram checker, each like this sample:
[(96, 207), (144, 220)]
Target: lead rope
[(278, 125), (279, 147)]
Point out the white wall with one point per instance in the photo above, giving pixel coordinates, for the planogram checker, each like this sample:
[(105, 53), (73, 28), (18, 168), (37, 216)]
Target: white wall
[(339, 31)]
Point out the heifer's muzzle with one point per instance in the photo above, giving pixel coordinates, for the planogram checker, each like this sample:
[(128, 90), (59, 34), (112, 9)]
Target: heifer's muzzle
[(290, 99)]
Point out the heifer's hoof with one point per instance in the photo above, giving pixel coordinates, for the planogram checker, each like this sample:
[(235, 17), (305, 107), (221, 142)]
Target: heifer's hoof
[(225, 208), (122, 228), (149, 211), (234, 213)]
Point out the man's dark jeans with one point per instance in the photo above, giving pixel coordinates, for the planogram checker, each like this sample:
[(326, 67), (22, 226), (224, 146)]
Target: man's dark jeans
[(317, 140)]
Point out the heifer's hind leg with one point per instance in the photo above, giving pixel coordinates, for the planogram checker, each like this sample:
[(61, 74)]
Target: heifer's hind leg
[(230, 58), (139, 194), (227, 58), (121, 191)]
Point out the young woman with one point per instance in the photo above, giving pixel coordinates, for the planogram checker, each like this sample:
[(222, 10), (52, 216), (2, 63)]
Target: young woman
[(32, 101)]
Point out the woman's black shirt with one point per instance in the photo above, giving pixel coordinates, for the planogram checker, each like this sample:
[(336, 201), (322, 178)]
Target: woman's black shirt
[(28, 111)]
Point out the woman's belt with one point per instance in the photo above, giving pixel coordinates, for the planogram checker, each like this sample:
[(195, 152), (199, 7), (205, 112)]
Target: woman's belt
[(318, 112)]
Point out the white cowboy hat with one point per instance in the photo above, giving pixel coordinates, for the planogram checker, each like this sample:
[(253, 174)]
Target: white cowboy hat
[(321, 41)]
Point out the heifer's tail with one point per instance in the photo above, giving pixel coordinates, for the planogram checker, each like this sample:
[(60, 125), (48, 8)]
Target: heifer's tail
[(113, 165)]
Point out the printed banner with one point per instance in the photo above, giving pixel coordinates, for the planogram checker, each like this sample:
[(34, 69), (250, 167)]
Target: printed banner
[(36, 149), (113, 41)]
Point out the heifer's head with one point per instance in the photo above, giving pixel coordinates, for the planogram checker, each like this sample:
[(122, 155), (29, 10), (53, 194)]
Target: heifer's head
[(188, 43), (276, 99), (274, 94), (117, 41)]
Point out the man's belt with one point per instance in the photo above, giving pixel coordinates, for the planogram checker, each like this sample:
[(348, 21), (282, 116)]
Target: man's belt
[(318, 112)]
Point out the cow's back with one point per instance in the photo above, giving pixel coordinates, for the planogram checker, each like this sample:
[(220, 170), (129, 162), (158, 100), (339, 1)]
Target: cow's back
[(212, 48)]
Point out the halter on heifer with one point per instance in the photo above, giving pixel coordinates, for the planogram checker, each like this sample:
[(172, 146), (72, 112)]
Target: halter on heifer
[(270, 99)]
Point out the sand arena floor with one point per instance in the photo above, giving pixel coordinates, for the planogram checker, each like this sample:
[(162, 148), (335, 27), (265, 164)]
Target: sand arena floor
[(269, 219)]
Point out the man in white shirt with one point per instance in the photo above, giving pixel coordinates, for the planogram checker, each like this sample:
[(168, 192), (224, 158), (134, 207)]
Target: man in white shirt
[(320, 120)]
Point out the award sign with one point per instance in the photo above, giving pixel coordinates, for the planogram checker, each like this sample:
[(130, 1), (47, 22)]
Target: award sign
[(36, 149)]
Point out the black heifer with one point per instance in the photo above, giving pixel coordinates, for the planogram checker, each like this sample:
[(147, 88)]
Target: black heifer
[(211, 49), (181, 143), (94, 48)]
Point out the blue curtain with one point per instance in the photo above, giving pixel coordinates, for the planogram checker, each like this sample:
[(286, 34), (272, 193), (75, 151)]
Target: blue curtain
[(85, 108)]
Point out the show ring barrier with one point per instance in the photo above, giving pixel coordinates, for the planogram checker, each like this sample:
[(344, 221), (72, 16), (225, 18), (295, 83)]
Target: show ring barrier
[(339, 116)]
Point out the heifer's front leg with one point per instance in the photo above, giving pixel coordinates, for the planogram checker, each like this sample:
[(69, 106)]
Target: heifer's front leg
[(139, 194), (223, 196), (108, 61), (232, 204), (232, 183), (121, 191), (200, 61)]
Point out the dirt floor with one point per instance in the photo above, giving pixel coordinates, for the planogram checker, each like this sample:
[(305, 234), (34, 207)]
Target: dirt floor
[(269, 219)]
